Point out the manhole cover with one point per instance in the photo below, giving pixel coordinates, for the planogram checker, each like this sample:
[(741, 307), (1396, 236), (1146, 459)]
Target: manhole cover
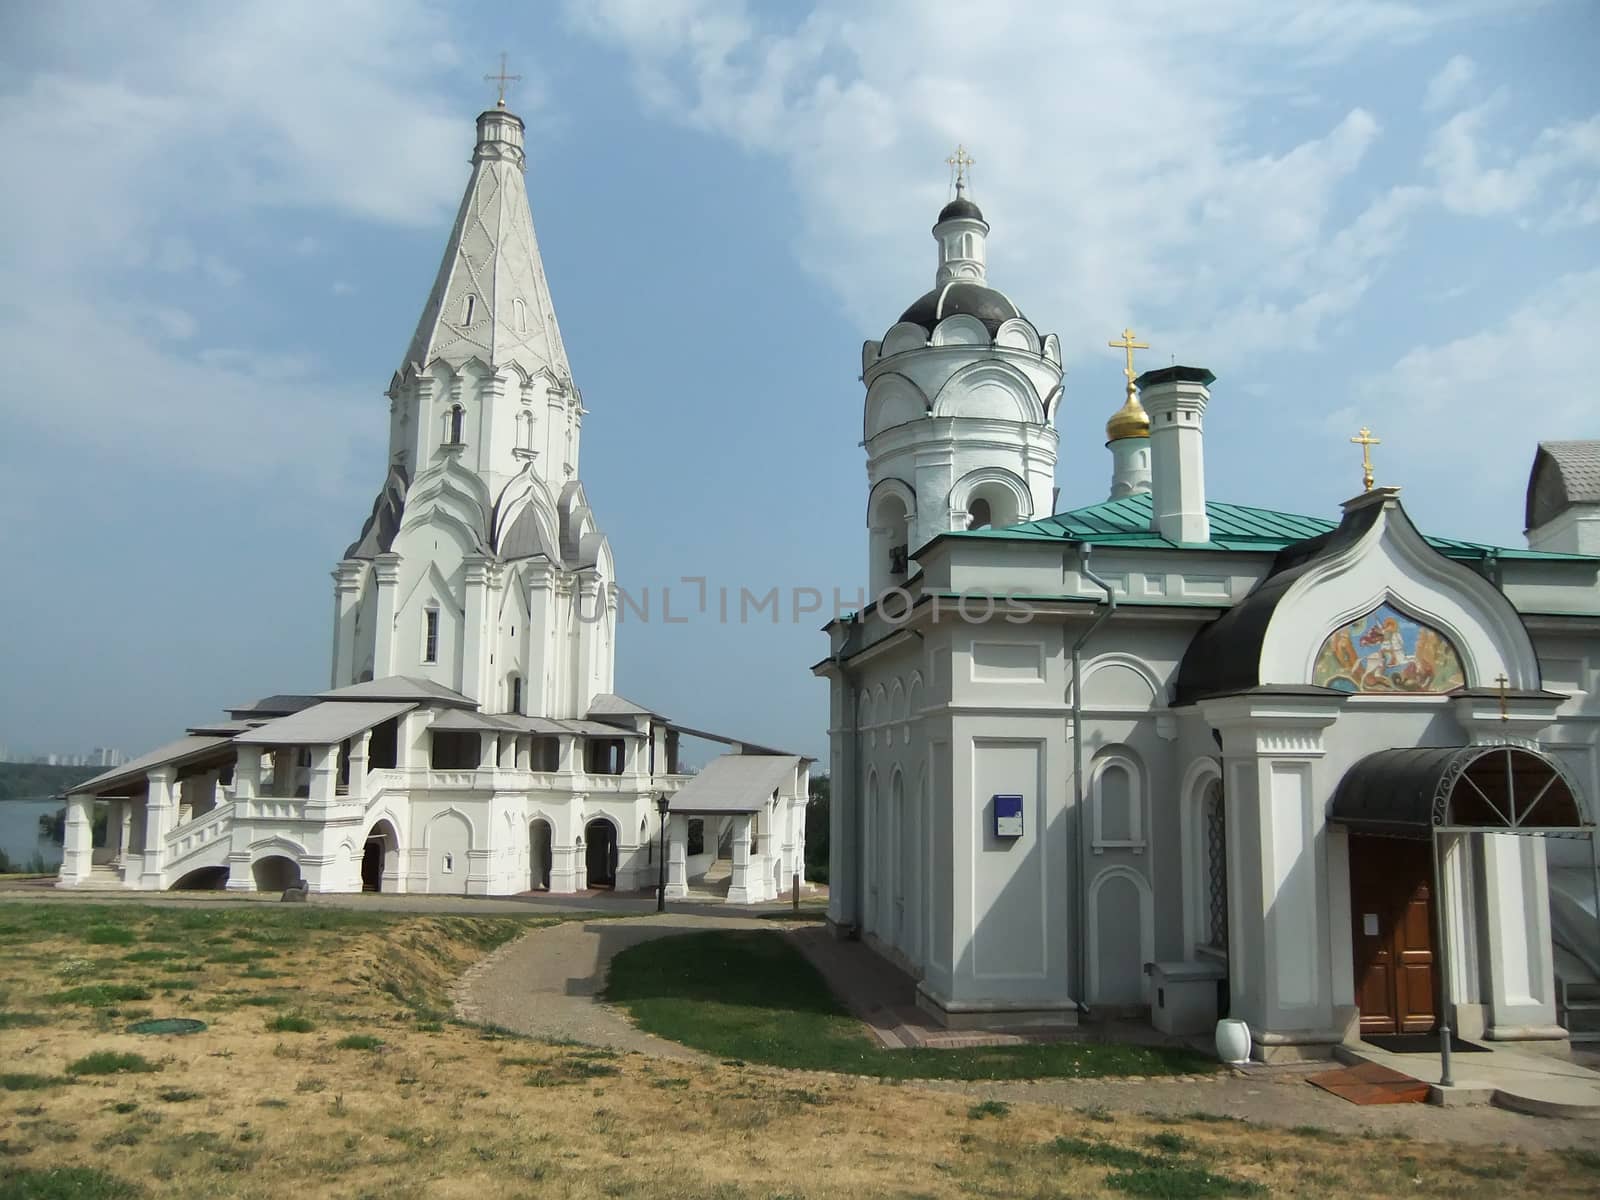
[(169, 1025)]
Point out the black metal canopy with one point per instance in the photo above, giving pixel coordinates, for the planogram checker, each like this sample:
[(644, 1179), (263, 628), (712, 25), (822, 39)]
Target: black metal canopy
[(1410, 792)]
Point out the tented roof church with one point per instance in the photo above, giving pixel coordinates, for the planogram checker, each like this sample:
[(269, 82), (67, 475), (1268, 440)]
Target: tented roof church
[(470, 742), (1169, 753)]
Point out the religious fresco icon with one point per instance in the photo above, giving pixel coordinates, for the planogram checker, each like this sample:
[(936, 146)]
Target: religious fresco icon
[(1388, 651)]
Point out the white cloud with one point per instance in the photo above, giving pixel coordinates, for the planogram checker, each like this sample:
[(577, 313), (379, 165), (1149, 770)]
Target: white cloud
[(1445, 88), (1114, 183), (1478, 177), (1436, 407)]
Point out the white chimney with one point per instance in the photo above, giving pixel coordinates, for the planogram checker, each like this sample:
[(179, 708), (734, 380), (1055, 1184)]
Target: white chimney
[(1176, 399)]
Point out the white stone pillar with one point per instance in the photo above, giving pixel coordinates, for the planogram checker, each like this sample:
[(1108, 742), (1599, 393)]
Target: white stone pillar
[(358, 765), (590, 613), (246, 779), (158, 823), (124, 831), (346, 602), (1519, 987), (474, 649), (740, 889), (537, 579), (324, 776), (77, 848), (1280, 966), (677, 856), (566, 762), (386, 568)]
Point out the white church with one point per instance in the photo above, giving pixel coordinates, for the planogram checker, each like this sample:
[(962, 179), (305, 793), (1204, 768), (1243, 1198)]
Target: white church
[(470, 742), (1169, 753)]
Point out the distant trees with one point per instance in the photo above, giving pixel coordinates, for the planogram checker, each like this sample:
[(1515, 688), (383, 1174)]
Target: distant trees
[(36, 781), (817, 828)]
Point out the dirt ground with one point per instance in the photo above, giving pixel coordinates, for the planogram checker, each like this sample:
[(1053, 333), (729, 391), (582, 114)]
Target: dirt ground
[(384, 1096)]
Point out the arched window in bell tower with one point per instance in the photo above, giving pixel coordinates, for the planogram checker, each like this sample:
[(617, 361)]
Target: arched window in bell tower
[(452, 424), (979, 515)]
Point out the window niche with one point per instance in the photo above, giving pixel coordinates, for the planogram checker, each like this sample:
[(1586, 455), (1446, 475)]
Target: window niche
[(1117, 800)]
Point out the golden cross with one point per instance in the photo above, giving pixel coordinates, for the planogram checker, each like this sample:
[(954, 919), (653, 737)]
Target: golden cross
[(961, 160), (1366, 441), (1128, 344), (1501, 680), (502, 79)]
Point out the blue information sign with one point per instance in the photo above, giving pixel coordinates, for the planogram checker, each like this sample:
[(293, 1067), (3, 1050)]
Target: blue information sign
[(1008, 816)]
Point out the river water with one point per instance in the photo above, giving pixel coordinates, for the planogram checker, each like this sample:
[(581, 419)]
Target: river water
[(19, 832)]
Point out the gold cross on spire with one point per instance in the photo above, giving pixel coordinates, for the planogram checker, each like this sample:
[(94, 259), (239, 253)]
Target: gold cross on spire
[(1366, 441), (1129, 345), (959, 162), (502, 79)]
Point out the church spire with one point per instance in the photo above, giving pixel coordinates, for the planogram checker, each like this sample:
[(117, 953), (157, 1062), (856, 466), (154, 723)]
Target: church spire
[(960, 230), (490, 300)]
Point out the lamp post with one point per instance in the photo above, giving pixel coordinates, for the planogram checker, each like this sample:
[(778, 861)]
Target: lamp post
[(661, 887)]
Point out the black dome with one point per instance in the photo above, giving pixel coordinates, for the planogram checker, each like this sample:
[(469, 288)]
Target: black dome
[(960, 207), (989, 306)]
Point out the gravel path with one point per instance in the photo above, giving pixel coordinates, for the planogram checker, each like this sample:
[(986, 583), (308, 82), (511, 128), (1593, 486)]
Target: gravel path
[(545, 984)]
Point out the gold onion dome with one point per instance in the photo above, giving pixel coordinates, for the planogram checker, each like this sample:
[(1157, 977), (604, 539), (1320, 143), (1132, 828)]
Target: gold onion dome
[(1129, 421)]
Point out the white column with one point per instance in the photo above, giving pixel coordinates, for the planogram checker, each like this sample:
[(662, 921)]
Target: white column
[(77, 850), (387, 570), (536, 578), (1520, 984), (474, 647), (1280, 973), (589, 610), (677, 856), (124, 831), (346, 601), (739, 886), (324, 776), (246, 787), (158, 821), (358, 764)]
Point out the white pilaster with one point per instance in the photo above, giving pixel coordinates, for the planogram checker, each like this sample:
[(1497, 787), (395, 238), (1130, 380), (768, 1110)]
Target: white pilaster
[(77, 848), (386, 567), (346, 604)]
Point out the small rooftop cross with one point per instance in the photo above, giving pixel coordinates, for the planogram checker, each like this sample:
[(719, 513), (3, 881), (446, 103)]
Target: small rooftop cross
[(1366, 441), (1129, 345), (959, 162), (1500, 682), (502, 79)]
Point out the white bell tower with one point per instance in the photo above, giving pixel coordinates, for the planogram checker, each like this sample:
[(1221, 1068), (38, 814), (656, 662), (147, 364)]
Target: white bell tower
[(961, 400)]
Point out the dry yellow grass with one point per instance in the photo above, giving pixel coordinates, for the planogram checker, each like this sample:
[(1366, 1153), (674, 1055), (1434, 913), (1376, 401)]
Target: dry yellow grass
[(442, 1110)]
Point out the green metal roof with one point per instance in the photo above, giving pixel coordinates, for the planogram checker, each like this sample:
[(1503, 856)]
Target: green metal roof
[(1126, 522)]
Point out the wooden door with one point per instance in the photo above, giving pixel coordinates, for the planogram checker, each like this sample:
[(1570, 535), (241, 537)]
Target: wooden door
[(1391, 909)]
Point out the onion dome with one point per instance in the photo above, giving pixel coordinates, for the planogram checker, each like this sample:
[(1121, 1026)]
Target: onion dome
[(994, 308), (1129, 421), (960, 209)]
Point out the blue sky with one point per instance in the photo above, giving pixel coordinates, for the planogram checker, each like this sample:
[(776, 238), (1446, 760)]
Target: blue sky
[(222, 222)]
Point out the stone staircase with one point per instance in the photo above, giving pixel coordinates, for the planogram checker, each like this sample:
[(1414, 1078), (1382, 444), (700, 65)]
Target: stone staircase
[(715, 882), (1579, 1010), (102, 877)]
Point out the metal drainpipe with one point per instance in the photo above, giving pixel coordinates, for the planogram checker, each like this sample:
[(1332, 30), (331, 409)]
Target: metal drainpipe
[(1081, 892)]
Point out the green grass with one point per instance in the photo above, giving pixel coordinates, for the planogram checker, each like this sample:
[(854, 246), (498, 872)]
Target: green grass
[(749, 995), (1175, 1181), (10, 1019), (109, 935), (988, 1108), (290, 1023), (99, 995), (359, 1041), (21, 1081), (63, 1183), (111, 1062), (150, 956)]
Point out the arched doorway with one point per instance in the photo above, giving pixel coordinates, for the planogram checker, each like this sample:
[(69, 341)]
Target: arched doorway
[(206, 879), (378, 856), (275, 872), (539, 856), (600, 852)]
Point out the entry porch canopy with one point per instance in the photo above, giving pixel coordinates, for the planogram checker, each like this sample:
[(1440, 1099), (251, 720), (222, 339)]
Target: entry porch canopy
[(1422, 792)]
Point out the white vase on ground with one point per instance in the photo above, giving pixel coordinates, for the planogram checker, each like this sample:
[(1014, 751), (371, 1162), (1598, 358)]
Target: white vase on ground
[(1233, 1041)]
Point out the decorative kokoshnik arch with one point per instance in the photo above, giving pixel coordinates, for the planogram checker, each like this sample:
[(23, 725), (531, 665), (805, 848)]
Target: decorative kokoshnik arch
[(1424, 791)]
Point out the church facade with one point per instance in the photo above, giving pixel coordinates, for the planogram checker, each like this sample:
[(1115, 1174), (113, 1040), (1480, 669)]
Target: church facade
[(1169, 754), (470, 741)]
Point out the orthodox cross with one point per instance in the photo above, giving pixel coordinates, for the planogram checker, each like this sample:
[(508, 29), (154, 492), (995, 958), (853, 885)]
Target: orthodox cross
[(1128, 345), (1501, 681), (502, 79), (959, 162), (1366, 441)]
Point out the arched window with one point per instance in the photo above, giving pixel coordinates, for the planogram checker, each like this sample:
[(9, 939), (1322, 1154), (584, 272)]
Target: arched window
[(525, 430), (519, 314), (515, 686), (966, 245), (430, 634), (469, 308), (1214, 832), (452, 424), (1118, 801), (979, 515)]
